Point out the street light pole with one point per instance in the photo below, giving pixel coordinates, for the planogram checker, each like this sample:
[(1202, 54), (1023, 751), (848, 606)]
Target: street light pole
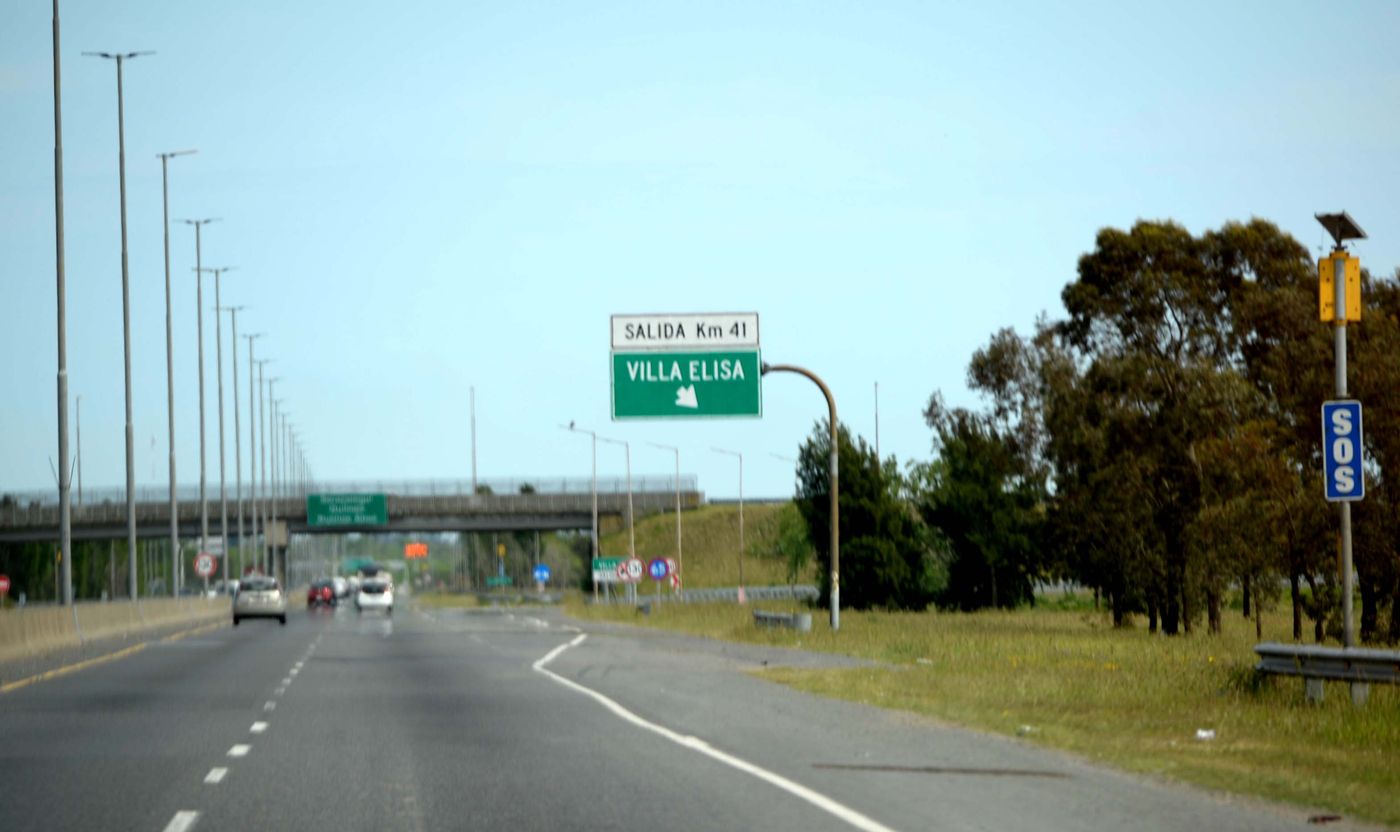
[(252, 456), (594, 437), (631, 530), (679, 562), (260, 476), (473, 408), (170, 368), (119, 57), (237, 441), (199, 330), (741, 515), (219, 362), (65, 508), (270, 444)]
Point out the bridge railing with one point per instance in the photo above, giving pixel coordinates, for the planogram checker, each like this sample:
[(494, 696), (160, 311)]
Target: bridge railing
[(32, 516), (403, 488)]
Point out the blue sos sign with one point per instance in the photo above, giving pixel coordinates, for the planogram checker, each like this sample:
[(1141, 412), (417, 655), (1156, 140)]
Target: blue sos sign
[(1341, 451)]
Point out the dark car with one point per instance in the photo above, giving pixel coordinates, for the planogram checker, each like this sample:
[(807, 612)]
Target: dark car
[(321, 594)]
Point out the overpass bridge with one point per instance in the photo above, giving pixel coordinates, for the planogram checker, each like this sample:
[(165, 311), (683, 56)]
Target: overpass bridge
[(412, 506)]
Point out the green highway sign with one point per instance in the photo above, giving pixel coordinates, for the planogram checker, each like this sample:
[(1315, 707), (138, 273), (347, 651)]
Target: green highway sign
[(690, 384), (347, 510), (497, 580)]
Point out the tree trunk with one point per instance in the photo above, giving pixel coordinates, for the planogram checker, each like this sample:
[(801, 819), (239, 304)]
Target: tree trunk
[(1370, 603), (1152, 616), (1258, 623), (1395, 614), (1171, 611), (1297, 606), (1319, 613), (1213, 611), (1244, 595), (1120, 612)]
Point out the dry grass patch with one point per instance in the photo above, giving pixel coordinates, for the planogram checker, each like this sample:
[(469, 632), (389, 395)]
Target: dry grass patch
[(709, 544)]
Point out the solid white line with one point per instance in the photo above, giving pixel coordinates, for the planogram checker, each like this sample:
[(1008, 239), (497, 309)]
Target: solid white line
[(826, 804), (258, 727), (182, 821), (240, 750), (215, 775)]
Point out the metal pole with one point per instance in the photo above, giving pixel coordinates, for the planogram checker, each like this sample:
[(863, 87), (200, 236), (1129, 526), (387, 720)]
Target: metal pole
[(199, 334), (261, 475), (126, 306), (877, 421), (473, 409), (834, 470), (1339, 336), (219, 361), (65, 525), (270, 533), (237, 440), (677, 451), (80, 448), (252, 458), (170, 378)]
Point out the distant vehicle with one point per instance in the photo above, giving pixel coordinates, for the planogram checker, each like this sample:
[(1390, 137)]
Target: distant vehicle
[(342, 587), (260, 597), (321, 594), (375, 594)]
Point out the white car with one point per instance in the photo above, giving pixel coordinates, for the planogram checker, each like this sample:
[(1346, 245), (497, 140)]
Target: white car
[(375, 594)]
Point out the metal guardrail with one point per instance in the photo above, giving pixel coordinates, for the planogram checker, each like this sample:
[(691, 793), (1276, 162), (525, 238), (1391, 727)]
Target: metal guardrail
[(1316, 664), (799, 621), (799, 592)]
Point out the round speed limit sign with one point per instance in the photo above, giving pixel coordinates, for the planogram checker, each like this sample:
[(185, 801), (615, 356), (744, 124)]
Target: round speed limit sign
[(204, 565)]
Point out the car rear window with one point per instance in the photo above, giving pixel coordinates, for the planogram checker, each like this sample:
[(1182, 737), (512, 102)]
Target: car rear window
[(259, 584), (374, 587)]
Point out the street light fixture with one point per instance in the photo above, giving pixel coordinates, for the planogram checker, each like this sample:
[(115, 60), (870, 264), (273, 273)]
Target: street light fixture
[(741, 514), (119, 57), (679, 562), (199, 318), (594, 436), (219, 362)]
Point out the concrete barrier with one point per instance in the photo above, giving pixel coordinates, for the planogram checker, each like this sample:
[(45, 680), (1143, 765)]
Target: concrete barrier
[(31, 630)]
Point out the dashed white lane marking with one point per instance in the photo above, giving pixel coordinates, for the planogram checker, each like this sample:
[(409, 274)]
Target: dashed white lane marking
[(279, 691), (215, 775), (258, 727), (821, 801), (182, 821), (286, 681), (269, 705), (294, 671), (240, 750)]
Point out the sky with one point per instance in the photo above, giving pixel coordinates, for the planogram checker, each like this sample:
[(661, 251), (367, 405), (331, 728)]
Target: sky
[(422, 198)]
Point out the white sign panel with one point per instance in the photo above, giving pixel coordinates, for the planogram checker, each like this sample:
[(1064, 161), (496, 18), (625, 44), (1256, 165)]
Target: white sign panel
[(705, 330)]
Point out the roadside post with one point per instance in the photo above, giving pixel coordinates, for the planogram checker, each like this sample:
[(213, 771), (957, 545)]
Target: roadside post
[(1339, 301)]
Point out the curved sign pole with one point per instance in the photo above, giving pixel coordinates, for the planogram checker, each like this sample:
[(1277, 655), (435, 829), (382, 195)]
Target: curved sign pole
[(834, 471)]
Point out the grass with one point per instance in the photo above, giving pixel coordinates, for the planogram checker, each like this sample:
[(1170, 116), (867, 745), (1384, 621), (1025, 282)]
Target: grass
[(1063, 677), (710, 545), (446, 600)]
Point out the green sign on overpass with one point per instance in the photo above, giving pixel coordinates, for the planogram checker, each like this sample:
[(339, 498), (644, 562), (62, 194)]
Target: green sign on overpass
[(346, 510)]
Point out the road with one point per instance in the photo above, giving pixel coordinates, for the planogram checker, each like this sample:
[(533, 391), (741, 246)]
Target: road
[(519, 719)]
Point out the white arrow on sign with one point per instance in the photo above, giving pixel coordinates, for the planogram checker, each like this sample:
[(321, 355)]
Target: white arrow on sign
[(685, 397)]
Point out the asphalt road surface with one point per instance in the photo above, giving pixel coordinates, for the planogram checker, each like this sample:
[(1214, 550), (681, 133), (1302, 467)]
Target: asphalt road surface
[(519, 720)]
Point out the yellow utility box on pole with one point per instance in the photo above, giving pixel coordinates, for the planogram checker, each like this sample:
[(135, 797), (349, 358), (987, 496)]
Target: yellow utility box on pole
[(1327, 287)]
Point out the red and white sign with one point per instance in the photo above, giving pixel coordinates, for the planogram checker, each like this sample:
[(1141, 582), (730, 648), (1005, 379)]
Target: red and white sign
[(204, 564), (630, 571), (4, 584), (676, 581)]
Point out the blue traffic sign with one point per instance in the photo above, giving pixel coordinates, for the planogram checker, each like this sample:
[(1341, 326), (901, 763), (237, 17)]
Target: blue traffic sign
[(541, 573), (1341, 451), (658, 569)]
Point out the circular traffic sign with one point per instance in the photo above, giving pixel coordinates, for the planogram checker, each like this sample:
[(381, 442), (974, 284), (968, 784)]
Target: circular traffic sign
[(676, 581), (204, 564), (634, 569), (4, 584), (622, 571), (542, 573), (658, 569)]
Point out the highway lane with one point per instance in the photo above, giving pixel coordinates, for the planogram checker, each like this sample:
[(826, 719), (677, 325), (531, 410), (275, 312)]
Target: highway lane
[(514, 719)]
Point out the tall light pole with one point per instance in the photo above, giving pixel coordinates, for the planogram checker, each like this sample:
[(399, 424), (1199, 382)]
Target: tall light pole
[(65, 525), (741, 515), (270, 476), (631, 530), (80, 450), (170, 367), (219, 361), (473, 407), (679, 562), (260, 457), (252, 454), (199, 319), (594, 437), (237, 441), (119, 57)]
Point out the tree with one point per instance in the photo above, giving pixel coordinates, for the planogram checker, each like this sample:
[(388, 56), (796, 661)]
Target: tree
[(885, 558)]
